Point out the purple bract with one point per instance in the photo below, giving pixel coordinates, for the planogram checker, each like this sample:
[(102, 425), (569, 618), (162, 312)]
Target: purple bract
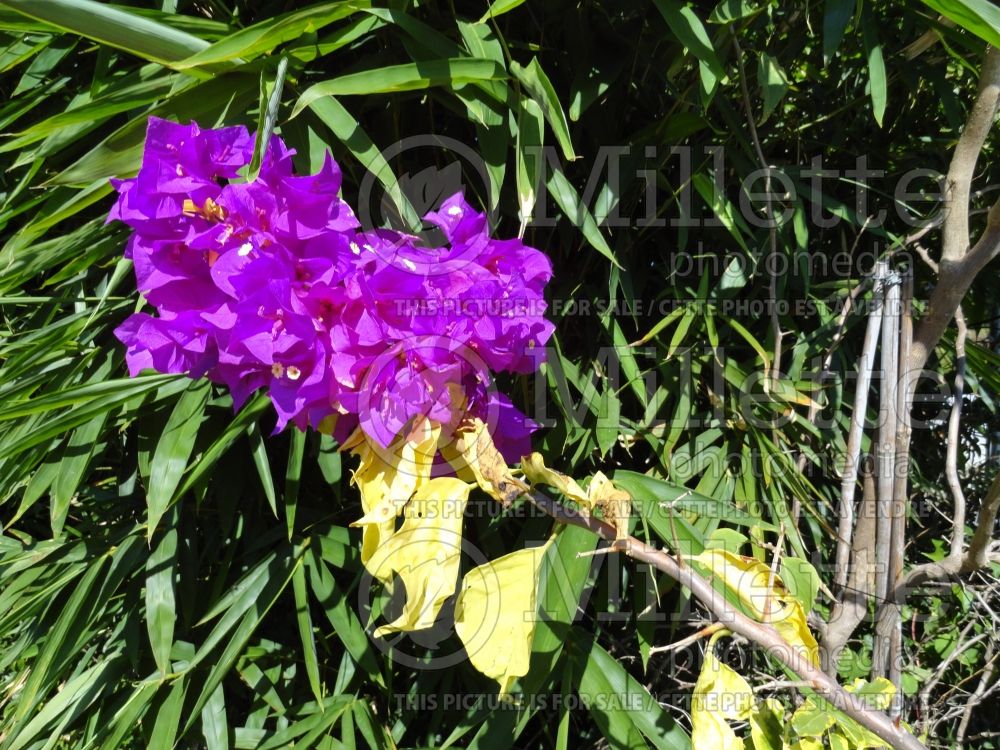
[(271, 283)]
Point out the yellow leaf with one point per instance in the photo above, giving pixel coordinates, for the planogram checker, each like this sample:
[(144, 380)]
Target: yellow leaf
[(744, 576), (790, 622), (615, 504), (495, 614), (425, 552), (387, 478), (748, 579), (767, 725), (474, 456), (805, 743), (720, 695), (536, 472)]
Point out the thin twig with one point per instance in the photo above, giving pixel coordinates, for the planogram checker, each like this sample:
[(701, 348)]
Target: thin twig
[(954, 423), (976, 697), (858, 415)]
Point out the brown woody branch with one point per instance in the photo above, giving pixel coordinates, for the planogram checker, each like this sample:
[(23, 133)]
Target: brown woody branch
[(762, 634), (960, 263)]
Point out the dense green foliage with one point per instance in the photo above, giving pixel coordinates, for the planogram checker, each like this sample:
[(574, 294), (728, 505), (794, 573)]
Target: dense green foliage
[(242, 621)]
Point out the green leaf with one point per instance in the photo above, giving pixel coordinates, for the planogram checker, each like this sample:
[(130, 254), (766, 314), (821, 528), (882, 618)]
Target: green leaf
[(304, 620), (801, 579), (685, 25), (773, 83), (619, 704), (346, 128), (258, 450), (980, 17), (538, 85), (214, 725), (263, 37), (499, 7), (877, 85), (529, 162), (452, 72), (173, 451), (293, 475), (569, 201), (836, 15), (161, 609), (728, 11), (77, 456), (113, 26)]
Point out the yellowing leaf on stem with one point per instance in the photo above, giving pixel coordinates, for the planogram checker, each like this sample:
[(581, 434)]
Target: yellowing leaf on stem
[(474, 455), (720, 696), (536, 472), (748, 579), (495, 614), (615, 504), (790, 622), (767, 725), (425, 552)]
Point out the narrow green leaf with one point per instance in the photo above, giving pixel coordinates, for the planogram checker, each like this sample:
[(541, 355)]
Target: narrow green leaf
[(499, 7), (173, 451), (537, 83), (877, 84), (452, 72), (114, 26), (980, 17), (603, 681), (685, 25), (293, 476), (836, 15), (263, 37), (214, 724), (346, 128), (304, 620), (161, 609), (728, 11), (569, 201)]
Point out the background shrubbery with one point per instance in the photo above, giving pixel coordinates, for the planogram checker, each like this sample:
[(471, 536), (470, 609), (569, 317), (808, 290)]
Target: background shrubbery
[(249, 594)]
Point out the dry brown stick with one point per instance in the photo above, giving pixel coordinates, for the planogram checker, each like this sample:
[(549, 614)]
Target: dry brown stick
[(762, 634), (851, 608), (885, 459), (858, 416), (892, 613)]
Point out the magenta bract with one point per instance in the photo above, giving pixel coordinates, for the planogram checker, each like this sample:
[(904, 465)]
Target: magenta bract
[(272, 284)]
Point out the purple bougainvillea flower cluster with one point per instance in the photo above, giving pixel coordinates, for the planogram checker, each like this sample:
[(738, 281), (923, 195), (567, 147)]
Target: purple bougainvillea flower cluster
[(271, 284)]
